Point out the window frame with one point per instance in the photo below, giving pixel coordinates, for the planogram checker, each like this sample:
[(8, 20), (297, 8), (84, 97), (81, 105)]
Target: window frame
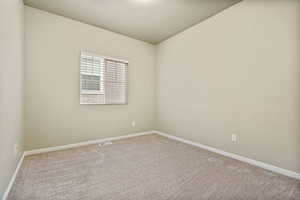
[(102, 79)]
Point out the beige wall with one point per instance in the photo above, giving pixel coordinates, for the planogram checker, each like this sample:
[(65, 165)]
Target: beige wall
[(11, 88), (53, 114), (236, 73)]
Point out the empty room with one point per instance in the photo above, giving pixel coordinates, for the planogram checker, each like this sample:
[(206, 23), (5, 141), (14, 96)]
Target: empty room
[(150, 99)]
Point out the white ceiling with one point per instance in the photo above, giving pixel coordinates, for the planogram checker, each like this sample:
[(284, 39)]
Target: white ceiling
[(149, 20)]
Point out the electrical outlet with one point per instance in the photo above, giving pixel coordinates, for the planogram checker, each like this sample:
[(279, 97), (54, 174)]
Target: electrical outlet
[(16, 149), (133, 123), (234, 138)]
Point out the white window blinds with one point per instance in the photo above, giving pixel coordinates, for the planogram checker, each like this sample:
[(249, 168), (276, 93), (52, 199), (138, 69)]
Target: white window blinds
[(103, 80)]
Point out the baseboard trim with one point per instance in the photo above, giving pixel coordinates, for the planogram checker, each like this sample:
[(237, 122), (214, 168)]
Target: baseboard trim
[(235, 156), (69, 146), (12, 180), (231, 155)]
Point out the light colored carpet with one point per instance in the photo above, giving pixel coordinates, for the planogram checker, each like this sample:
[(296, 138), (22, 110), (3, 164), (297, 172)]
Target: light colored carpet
[(148, 167)]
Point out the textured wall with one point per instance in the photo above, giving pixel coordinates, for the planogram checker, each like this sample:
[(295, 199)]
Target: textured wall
[(236, 73), (53, 114), (11, 87)]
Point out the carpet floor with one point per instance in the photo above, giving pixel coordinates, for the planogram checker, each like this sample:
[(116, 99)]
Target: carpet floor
[(148, 167)]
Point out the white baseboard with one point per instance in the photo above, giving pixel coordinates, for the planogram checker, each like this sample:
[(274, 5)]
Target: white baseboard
[(12, 180), (237, 157), (231, 155), (68, 146)]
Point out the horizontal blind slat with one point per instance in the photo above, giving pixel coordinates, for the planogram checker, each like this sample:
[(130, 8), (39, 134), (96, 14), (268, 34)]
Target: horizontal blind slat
[(103, 80)]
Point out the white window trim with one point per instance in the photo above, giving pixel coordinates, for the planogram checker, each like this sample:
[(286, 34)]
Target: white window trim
[(89, 53), (101, 56)]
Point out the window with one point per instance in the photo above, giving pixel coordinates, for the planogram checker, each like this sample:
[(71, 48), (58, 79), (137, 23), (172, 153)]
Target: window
[(103, 80)]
